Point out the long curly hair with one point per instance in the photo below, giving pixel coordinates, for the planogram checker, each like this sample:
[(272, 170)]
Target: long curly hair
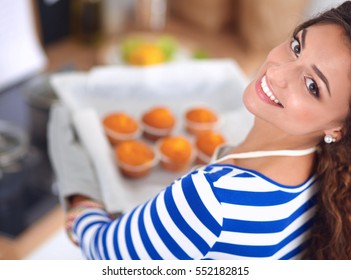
[(331, 232)]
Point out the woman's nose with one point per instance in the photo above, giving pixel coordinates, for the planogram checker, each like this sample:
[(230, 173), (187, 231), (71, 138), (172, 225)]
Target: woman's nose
[(279, 74)]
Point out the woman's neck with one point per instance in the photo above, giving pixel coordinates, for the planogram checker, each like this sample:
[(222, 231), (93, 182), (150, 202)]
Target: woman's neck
[(266, 138)]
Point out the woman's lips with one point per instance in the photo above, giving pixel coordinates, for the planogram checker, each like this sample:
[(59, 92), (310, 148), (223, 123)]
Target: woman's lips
[(265, 93)]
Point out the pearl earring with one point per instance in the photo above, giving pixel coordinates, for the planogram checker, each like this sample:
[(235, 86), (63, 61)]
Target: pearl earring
[(329, 139)]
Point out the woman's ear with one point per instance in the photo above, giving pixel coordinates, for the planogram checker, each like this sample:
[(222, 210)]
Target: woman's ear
[(337, 133)]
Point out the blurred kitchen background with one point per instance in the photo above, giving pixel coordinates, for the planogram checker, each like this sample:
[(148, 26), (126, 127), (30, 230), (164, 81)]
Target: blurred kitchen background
[(42, 37)]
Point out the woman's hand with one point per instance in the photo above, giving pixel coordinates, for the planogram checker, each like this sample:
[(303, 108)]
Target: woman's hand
[(75, 200), (77, 204)]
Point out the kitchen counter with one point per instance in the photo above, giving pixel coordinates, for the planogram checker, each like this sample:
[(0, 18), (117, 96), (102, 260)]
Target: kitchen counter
[(33, 237)]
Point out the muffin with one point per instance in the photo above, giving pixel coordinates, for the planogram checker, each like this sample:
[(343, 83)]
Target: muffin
[(200, 119), (135, 158), (206, 143), (120, 127), (176, 152), (157, 122)]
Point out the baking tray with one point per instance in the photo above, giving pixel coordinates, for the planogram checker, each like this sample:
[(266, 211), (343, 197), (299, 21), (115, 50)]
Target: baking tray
[(217, 84)]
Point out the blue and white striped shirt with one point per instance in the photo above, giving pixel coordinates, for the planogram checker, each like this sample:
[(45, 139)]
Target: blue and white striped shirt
[(220, 212)]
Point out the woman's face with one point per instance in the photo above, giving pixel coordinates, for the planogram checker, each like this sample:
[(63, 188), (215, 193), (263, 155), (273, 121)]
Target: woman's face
[(304, 85)]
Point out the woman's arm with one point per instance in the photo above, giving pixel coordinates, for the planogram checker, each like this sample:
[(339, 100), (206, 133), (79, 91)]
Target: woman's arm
[(181, 222)]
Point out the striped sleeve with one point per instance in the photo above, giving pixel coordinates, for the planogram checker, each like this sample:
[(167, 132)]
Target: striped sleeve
[(181, 222)]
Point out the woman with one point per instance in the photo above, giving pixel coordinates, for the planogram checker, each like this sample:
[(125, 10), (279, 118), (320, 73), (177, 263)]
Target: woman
[(287, 201)]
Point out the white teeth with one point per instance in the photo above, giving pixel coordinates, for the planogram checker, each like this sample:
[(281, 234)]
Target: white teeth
[(267, 91)]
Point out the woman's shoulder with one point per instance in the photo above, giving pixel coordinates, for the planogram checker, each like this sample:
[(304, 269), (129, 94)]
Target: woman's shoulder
[(234, 177), (281, 171)]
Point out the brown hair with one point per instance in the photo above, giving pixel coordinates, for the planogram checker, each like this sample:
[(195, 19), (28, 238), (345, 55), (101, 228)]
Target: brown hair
[(331, 232)]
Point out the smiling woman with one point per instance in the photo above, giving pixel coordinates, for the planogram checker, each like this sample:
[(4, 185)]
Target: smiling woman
[(296, 77), (311, 85), (282, 193)]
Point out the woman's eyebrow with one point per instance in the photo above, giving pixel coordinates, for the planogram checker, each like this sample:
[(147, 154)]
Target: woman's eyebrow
[(303, 37), (314, 67), (321, 76)]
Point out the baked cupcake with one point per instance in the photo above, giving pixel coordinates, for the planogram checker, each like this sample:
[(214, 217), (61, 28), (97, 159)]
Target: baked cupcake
[(206, 143), (120, 127), (135, 158), (176, 152), (200, 119), (157, 122)]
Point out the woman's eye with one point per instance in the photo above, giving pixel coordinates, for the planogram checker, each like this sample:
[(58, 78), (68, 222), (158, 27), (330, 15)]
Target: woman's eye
[(295, 46), (312, 87)]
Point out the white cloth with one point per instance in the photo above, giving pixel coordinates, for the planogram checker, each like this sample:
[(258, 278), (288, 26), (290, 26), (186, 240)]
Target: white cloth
[(71, 162)]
